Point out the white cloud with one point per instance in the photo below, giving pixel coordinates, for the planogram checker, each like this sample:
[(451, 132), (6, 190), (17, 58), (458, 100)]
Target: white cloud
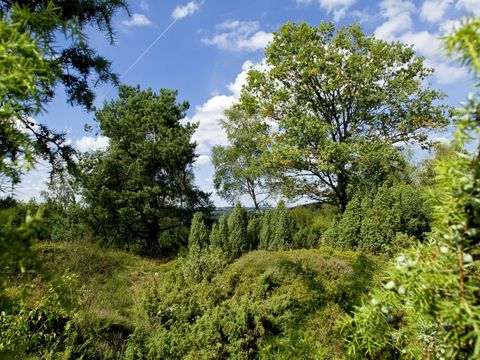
[(422, 41), (399, 18), (448, 26), (202, 160), (207, 115), (445, 73), (434, 10), (234, 35), (472, 6), (337, 7), (90, 143), (137, 20), (33, 182), (209, 132), (181, 12)]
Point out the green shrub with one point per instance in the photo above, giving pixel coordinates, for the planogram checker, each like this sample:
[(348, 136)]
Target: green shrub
[(384, 222), (429, 306), (199, 235), (283, 227), (267, 305), (307, 238), (237, 232), (266, 230)]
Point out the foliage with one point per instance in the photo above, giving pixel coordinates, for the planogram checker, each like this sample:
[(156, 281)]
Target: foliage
[(199, 235), (32, 64), (219, 233), (46, 330), (237, 232), (26, 78), (253, 229), (283, 226), (266, 230), (77, 66), (267, 305), (142, 185), (16, 241), (239, 167), (428, 306), (353, 95), (374, 224)]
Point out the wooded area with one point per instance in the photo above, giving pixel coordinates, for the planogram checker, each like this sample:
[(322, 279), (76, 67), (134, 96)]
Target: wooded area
[(124, 257)]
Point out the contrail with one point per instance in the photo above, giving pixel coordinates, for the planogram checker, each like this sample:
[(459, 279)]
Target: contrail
[(143, 53), (148, 48)]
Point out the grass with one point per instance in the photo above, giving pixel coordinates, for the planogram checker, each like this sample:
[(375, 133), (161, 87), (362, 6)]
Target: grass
[(270, 305)]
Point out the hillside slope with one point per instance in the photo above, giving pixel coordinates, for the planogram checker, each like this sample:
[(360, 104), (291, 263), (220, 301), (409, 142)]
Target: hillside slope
[(272, 305)]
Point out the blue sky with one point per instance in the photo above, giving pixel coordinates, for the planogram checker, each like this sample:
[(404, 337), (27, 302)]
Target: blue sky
[(208, 45)]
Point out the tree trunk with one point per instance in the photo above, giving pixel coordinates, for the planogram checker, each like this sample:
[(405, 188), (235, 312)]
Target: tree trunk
[(153, 248), (342, 194)]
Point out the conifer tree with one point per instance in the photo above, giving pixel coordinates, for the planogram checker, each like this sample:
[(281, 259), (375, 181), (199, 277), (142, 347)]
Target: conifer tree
[(351, 223), (215, 240), (199, 235), (284, 228), (237, 228), (266, 230), (253, 229)]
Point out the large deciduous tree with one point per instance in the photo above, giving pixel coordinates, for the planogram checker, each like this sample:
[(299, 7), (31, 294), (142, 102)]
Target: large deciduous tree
[(339, 97), (142, 185), (239, 167)]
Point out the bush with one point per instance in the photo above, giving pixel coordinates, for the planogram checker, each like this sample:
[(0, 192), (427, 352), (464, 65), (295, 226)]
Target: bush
[(284, 228), (199, 235), (267, 305), (237, 232), (382, 223)]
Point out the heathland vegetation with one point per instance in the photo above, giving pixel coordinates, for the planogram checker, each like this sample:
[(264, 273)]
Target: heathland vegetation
[(124, 257)]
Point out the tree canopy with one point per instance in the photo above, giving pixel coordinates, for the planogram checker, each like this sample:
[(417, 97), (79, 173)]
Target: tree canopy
[(239, 167), (142, 184), (338, 97)]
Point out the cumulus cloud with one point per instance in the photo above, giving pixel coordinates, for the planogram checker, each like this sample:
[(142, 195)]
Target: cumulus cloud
[(424, 42), (434, 10), (90, 143), (207, 115), (137, 20), (471, 6), (446, 73), (33, 182), (448, 26), (202, 160), (234, 35), (336, 7), (398, 15), (182, 11), (398, 25)]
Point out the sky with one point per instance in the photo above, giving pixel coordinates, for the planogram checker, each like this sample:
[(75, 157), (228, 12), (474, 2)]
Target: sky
[(204, 48)]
